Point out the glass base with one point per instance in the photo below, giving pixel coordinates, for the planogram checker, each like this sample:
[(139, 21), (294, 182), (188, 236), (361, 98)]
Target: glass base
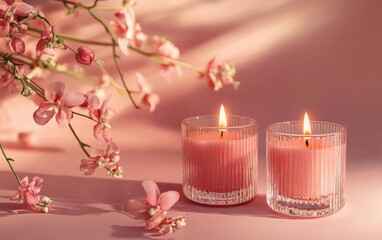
[(219, 198), (323, 206)]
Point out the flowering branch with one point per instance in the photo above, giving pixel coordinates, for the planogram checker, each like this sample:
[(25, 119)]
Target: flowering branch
[(125, 35)]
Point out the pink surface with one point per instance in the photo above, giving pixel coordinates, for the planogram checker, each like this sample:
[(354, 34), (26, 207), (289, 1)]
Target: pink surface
[(291, 56)]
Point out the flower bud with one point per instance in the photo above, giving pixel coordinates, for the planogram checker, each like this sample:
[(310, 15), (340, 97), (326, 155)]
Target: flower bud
[(85, 55), (18, 46)]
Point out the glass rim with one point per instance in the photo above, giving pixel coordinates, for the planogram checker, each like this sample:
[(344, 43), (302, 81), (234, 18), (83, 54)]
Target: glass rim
[(251, 122), (342, 129)]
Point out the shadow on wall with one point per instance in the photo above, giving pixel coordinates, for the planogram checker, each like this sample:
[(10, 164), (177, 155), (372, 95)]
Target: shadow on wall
[(333, 73)]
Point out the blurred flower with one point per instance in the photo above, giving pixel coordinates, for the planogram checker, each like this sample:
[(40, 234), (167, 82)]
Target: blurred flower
[(85, 55), (57, 104), (11, 15), (128, 32), (45, 204), (165, 48), (100, 112), (219, 74), (146, 95), (18, 45)]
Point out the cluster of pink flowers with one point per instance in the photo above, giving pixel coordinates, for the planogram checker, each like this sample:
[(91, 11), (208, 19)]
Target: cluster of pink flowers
[(53, 102), (13, 17), (153, 208), (219, 74), (27, 194), (59, 105)]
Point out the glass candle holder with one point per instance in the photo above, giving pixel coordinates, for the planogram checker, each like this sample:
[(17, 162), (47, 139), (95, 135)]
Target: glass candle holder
[(306, 173), (219, 164)]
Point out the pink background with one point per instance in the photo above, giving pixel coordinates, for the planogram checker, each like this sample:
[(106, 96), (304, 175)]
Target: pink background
[(292, 56)]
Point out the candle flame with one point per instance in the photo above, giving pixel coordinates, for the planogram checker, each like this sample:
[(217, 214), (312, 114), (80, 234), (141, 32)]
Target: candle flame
[(222, 118), (307, 130)]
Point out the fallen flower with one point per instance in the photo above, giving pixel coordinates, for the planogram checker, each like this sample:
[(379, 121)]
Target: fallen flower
[(27, 194), (153, 209)]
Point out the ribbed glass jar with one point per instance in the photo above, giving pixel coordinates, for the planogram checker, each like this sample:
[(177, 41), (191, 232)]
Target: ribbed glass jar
[(219, 164), (306, 173)]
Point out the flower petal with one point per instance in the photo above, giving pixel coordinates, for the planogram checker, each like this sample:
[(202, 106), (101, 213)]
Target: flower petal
[(64, 116), (152, 192), (137, 209), (73, 100), (22, 9), (94, 102), (30, 198), (54, 91), (123, 44), (96, 152), (168, 199), (97, 130), (41, 118), (106, 103), (4, 28), (88, 166)]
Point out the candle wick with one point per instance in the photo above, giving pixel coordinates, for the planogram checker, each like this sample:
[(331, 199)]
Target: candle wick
[(307, 142), (221, 134)]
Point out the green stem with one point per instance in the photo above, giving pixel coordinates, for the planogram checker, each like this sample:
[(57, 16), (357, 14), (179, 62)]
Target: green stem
[(9, 160), (82, 145)]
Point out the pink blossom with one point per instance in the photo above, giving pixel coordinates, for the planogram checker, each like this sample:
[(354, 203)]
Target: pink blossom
[(165, 48), (4, 28), (108, 158), (85, 55), (7, 81), (129, 32), (101, 113), (47, 43), (153, 208), (219, 74), (57, 104), (147, 96), (22, 9), (18, 45), (28, 192), (11, 13)]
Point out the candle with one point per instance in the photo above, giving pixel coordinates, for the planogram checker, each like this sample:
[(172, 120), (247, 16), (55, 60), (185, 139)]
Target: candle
[(219, 159), (306, 168)]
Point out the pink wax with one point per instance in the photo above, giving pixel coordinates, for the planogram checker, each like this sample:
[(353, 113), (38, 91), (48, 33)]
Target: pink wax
[(220, 162), (305, 171)]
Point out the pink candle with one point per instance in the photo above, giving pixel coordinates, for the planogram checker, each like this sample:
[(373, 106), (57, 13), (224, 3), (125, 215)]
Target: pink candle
[(306, 172), (219, 163)]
